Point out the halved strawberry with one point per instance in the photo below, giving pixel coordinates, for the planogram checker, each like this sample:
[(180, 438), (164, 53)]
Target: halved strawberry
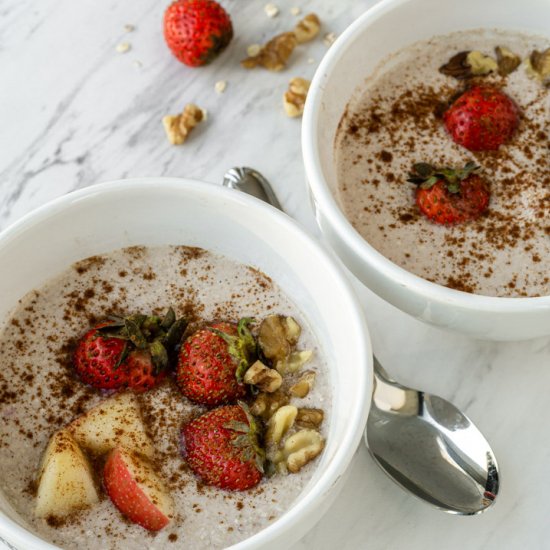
[(136, 490), (449, 196)]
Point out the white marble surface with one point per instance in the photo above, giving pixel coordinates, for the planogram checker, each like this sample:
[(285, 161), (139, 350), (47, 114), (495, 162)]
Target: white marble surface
[(74, 112)]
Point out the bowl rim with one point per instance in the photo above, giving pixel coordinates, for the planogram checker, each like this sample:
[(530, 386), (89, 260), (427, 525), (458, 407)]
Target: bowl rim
[(357, 326), (326, 204)]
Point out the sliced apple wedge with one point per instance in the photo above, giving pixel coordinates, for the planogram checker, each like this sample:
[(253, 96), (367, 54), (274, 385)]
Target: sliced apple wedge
[(65, 482), (115, 421), (136, 490)]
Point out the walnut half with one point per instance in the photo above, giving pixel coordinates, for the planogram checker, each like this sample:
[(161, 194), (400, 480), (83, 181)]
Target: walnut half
[(301, 448), (273, 55), (178, 127), (307, 29), (294, 98)]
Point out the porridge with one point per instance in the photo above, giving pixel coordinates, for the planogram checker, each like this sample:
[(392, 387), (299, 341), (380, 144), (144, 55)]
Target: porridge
[(396, 121), (41, 393)]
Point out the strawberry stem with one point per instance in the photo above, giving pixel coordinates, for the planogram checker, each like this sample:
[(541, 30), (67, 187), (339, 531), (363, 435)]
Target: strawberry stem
[(426, 176)]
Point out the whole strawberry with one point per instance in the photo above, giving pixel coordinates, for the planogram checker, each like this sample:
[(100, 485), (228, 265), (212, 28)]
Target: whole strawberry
[(197, 30), (212, 362), (221, 447), (482, 119), (448, 196), (128, 352)]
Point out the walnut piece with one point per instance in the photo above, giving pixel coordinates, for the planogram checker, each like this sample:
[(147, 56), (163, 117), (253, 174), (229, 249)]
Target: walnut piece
[(274, 54), (294, 362), (266, 404), (307, 29), (538, 65), (310, 418), (266, 379), (507, 60), (329, 39), (481, 64), (277, 335), (178, 127), (467, 64), (294, 98), (279, 424), (301, 448), (304, 385)]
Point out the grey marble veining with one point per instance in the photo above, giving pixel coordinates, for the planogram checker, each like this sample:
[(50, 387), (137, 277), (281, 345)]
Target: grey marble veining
[(74, 112)]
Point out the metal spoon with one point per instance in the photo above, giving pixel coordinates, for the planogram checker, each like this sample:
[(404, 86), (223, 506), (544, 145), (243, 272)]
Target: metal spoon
[(424, 443)]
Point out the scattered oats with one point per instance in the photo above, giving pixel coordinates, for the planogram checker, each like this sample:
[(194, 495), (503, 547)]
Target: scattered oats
[(204, 114), (311, 60), (123, 47), (295, 11), (271, 10), (329, 38), (220, 86), (129, 28), (253, 50), (137, 64)]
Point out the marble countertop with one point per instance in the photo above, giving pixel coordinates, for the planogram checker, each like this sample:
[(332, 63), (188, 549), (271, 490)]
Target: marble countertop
[(75, 112)]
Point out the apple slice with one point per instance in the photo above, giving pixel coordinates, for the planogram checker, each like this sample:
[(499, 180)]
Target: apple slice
[(65, 482), (117, 420), (136, 490)]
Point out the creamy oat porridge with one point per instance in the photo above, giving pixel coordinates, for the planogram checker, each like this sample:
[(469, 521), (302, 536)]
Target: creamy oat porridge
[(396, 121), (40, 394)]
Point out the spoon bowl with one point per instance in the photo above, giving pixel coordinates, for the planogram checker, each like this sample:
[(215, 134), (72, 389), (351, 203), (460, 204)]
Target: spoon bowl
[(423, 442), (430, 448)]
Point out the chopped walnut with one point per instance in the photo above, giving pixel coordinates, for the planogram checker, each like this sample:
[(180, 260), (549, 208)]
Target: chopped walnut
[(277, 335), (481, 64), (178, 127), (310, 418), (307, 29), (538, 65), (273, 55), (329, 39), (220, 86), (304, 385), (467, 64), (294, 98), (507, 60), (271, 10), (294, 362), (279, 424), (264, 378), (266, 404), (301, 448)]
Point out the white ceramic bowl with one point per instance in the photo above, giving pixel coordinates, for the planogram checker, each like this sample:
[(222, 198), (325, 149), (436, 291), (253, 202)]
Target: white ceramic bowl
[(178, 211), (385, 28)]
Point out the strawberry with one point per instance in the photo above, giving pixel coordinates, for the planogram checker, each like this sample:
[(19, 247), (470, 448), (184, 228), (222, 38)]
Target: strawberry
[(98, 359), (221, 447), (128, 352), (482, 119), (448, 196), (212, 363), (136, 489), (197, 30), (143, 375)]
